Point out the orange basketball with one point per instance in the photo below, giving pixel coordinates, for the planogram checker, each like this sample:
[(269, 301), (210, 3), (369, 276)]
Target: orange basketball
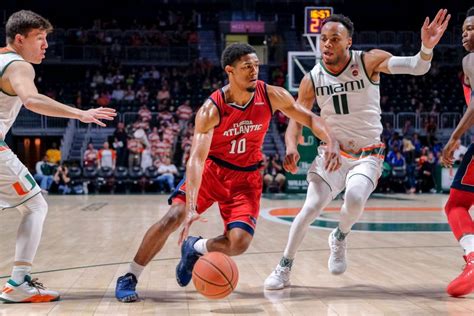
[(215, 275)]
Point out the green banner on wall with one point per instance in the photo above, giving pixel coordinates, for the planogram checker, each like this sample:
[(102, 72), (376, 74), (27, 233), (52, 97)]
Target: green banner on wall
[(296, 183)]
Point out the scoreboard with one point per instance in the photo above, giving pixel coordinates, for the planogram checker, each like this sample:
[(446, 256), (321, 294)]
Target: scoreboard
[(314, 16)]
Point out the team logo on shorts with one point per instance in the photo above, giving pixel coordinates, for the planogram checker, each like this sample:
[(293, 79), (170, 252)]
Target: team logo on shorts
[(23, 187)]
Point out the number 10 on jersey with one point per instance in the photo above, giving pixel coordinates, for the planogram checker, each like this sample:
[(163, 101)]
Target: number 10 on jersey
[(238, 146)]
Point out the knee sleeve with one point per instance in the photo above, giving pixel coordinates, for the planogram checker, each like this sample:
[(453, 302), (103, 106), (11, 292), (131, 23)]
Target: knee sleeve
[(358, 190), (317, 197), (457, 212), (29, 232)]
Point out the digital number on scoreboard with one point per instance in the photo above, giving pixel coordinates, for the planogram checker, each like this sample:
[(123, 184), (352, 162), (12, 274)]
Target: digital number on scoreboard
[(314, 16)]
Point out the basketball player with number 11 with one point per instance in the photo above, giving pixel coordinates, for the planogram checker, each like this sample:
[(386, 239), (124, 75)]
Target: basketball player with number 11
[(345, 85)]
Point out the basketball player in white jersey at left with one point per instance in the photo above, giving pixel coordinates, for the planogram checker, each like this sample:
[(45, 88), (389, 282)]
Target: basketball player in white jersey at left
[(345, 85), (26, 34)]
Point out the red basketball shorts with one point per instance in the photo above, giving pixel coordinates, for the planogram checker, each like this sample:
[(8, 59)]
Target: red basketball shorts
[(236, 192)]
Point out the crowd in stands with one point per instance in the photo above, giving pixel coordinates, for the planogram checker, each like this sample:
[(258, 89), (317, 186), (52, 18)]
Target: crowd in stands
[(168, 28), (157, 105)]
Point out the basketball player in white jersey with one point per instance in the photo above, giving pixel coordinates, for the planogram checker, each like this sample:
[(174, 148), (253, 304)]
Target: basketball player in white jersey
[(26, 34), (345, 85)]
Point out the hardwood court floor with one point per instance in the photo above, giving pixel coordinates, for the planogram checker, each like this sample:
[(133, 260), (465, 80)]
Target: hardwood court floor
[(88, 241)]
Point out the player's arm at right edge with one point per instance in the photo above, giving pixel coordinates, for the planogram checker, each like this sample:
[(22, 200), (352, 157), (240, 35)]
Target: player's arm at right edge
[(20, 75), (206, 119), (283, 101), (294, 130), (466, 122)]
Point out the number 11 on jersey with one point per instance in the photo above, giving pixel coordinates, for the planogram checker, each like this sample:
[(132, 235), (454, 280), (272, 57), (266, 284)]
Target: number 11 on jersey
[(337, 103), (240, 146)]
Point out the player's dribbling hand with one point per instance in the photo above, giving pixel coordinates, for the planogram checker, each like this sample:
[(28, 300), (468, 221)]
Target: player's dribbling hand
[(290, 163), (94, 115), (191, 217), (447, 156), (432, 32), (332, 156)]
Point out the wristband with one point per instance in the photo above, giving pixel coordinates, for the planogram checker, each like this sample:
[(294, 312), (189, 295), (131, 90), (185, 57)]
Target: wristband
[(426, 50)]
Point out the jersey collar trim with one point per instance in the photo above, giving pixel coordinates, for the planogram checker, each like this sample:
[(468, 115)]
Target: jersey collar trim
[(237, 106), (5, 50)]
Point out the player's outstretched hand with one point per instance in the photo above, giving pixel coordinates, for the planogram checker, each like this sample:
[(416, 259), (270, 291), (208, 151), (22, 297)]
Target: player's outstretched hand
[(94, 115), (332, 156), (432, 32), (191, 217), (290, 162), (447, 157)]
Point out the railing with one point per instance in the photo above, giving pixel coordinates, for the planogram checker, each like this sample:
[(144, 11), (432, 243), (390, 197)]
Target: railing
[(85, 142), (388, 118), (28, 120), (450, 120), (404, 117), (32, 121), (66, 141)]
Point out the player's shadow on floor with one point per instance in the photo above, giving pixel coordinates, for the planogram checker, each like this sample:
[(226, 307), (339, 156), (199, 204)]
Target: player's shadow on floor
[(355, 292)]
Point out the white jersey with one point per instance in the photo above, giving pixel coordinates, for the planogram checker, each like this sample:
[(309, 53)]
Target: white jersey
[(349, 102), (9, 105), (16, 183)]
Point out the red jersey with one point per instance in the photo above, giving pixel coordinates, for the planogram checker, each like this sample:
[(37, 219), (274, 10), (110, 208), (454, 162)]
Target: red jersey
[(239, 136)]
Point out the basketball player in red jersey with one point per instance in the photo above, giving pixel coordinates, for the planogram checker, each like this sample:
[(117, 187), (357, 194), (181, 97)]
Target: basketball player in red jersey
[(461, 196), (224, 167)]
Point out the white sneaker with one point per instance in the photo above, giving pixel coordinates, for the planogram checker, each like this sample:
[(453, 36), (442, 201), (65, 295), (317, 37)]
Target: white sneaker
[(30, 291), (278, 279), (337, 260)]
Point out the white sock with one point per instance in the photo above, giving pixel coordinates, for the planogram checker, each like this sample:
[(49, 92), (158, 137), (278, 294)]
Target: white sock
[(19, 273), (467, 243), (201, 246), (135, 269)]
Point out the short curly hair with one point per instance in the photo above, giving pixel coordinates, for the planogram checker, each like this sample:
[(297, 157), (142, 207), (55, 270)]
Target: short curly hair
[(344, 20), (234, 51)]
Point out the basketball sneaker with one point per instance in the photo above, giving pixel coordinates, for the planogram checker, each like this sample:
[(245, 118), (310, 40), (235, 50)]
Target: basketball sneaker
[(464, 283), (30, 291), (125, 288), (337, 259), (278, 279), (189, 256)]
